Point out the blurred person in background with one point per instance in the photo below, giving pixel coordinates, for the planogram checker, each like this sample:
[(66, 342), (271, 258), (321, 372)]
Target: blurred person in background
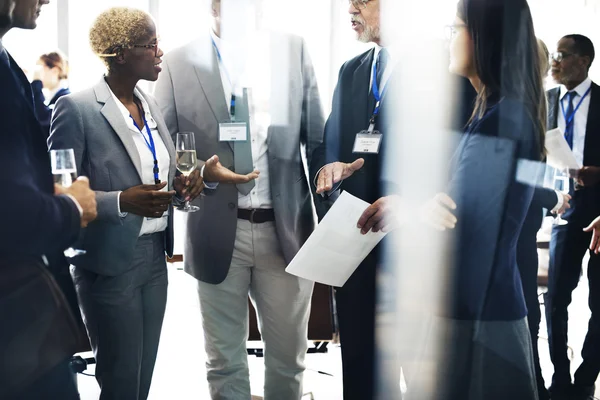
[(359, 102), (485, 349), (51, 74), (574, 107), (265, 81), (121, 141), (39, 220)]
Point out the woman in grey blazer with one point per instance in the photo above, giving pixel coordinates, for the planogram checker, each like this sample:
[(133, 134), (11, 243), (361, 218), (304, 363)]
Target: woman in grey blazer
[(122, 143)]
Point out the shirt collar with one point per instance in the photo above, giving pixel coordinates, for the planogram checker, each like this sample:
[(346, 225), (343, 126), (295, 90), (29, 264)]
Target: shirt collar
[(127, 115), (580, 89), (392, 54)]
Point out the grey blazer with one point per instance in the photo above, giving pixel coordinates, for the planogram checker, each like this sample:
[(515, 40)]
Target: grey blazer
[(190, 94), (91, 123)]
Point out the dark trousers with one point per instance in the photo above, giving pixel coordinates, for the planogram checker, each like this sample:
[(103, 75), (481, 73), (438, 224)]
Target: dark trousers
[(567, 249), (123, 315), (528, 263), (355, 303), (58, 383)]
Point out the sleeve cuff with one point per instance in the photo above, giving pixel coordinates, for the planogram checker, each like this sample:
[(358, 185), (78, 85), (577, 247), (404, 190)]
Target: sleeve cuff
[(208, 185), (560, 201), (76, 204), (122, 215)]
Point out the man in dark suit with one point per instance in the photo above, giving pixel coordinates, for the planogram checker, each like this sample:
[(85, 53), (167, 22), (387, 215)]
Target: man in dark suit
[(574, 107), (358, 105), (36, 223)]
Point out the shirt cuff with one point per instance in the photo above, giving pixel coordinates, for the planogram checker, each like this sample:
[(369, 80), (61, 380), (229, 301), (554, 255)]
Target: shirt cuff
[(122, 215), (208, 185), (560, 201), (77, 204)]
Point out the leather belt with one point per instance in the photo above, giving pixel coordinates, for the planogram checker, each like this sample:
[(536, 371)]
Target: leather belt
[(257, 215)]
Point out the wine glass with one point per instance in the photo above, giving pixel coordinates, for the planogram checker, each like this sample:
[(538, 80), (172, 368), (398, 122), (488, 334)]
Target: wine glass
[(64, 171), (186, 161), (561, 183)]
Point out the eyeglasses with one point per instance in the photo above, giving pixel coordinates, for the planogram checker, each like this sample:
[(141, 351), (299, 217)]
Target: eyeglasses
[(359, 4), (559, 56), (148, 46), (450, 31)]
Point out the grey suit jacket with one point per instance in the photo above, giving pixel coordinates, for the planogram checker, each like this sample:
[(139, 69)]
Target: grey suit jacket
[(190, 94), (91, 123)]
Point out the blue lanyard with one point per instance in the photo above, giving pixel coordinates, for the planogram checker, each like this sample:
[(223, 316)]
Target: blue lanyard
[(150, 144), (378, 96), (569, 119), (232, 102)]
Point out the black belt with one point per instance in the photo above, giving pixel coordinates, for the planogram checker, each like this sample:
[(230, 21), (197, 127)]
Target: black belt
[(257, 215)]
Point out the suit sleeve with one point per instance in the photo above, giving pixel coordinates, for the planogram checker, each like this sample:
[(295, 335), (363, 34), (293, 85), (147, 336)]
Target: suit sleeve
[(68, 132), (545, 197), (34, 222), (312, 122)]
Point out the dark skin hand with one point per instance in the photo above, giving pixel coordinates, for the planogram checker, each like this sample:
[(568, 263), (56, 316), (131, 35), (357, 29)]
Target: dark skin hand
[(189, 187), (587, 176), (146, 200)]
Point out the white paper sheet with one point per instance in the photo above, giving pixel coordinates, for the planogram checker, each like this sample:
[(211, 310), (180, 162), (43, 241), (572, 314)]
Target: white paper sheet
[(336, 247), (559, 154)]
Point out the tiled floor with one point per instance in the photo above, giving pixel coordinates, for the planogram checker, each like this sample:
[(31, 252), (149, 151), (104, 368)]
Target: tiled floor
[(180, 371)]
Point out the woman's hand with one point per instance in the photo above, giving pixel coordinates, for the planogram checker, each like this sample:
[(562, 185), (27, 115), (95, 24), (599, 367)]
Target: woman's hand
[(189, 187), (436, 212), (146, 200)]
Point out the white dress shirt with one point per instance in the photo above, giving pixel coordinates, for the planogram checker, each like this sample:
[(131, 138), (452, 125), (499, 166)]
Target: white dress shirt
[(581, 116), (150, 225), (253, 73)]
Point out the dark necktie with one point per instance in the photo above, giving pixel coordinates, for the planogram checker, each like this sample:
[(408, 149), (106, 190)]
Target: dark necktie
[(570, 126), (242, 151)]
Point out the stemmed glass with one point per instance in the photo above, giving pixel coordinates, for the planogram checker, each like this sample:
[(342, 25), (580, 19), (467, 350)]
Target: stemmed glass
[(561, 183), (64, 171), (186, 161)]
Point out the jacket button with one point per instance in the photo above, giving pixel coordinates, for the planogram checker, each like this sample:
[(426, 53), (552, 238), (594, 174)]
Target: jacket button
[(231, 206)]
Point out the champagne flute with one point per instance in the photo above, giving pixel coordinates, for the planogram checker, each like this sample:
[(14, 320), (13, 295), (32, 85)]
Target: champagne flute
[(64, 171), (186, 161), (561, 183)]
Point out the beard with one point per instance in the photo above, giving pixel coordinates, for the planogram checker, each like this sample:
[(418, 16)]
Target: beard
[(369, 33)]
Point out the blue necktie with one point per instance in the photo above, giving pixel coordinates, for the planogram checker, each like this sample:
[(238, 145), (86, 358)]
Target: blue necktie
[(570, 126)]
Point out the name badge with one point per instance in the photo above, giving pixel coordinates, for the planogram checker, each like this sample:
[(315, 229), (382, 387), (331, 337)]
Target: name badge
[(233, 132), (367, 143)]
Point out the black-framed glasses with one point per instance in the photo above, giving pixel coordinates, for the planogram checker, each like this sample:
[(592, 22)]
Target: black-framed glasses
[(450, 31), (559, 56), (359, 4), (148, 46)]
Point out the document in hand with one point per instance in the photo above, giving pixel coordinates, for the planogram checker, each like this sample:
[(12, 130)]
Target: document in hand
[(336, 247), (559, 153)]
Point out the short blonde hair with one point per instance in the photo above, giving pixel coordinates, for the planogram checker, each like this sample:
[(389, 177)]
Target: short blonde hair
[(117, 28)]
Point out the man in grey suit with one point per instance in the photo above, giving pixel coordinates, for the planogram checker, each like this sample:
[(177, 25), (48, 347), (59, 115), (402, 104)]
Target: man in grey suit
[(244, 235)]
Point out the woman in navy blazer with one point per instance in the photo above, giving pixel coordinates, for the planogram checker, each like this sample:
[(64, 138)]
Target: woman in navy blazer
[(51, 73), (485, 346)]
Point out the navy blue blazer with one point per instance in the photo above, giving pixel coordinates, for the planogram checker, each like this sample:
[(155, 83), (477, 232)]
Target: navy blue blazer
[(35, 222), (492, 207), (43, 111)]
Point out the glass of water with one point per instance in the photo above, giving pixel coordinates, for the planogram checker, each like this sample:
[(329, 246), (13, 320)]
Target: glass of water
[(186, 161), (64, 171), (561, 183)]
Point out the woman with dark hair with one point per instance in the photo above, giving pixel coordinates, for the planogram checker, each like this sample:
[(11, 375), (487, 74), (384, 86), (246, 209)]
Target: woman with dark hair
[(51, 73), (486, 350)]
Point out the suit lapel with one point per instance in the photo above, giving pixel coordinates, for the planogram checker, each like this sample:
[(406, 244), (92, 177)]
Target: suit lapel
[(360, 91), (113, 115), (164, 134), (592, 129)]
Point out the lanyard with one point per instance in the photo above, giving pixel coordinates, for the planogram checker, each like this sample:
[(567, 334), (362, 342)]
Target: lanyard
[(569, 119), (378, 97), (232, 102), (149, 143)]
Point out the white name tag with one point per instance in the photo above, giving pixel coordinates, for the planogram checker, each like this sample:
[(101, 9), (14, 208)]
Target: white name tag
[(366, 143), (233, 132)]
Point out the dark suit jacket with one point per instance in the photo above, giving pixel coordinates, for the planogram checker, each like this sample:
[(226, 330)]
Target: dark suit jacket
[(351, 109), (585, 204), (34, 220), (43, 111)]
